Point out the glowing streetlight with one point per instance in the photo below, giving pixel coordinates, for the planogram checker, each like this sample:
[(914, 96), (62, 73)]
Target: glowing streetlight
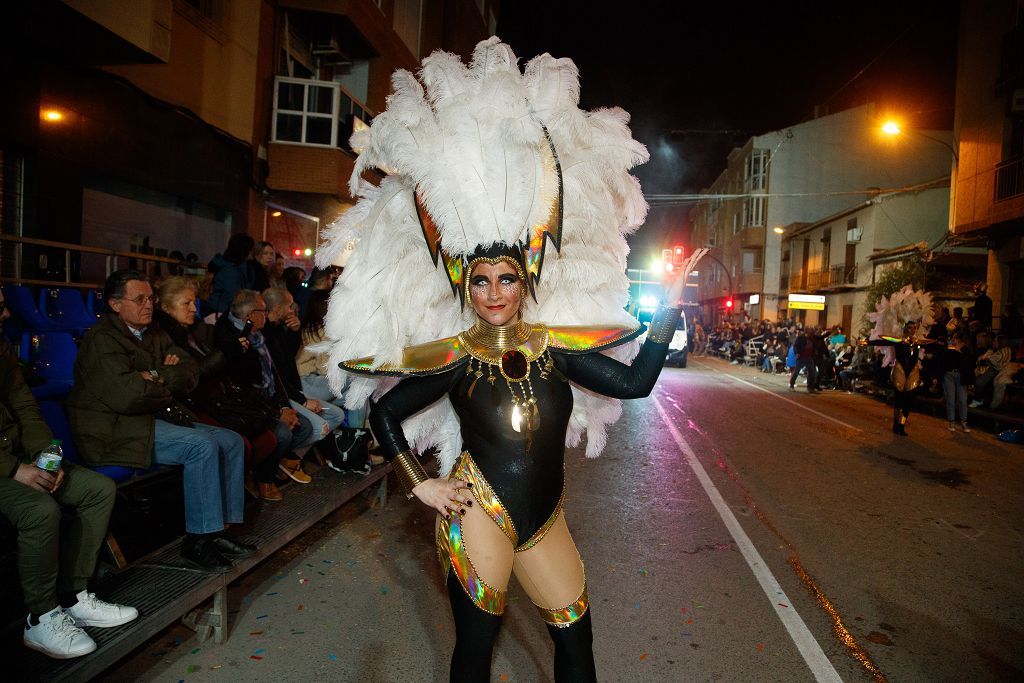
[(657, 266), (778, 231), (52, 115), (891, 128), (276, 214), (308, 252)]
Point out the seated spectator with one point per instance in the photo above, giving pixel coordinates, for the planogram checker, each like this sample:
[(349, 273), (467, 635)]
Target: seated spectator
[(232, 272), (240, 338), (277, 272), (990, 363), (229, 406), (284, 341), (54, 569), (295, 283), (312, 365), (319, 279), (123, 411), (260, 265)]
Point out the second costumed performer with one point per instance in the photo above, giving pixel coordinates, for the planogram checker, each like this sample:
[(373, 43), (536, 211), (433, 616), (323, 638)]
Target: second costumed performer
[(481, 310)]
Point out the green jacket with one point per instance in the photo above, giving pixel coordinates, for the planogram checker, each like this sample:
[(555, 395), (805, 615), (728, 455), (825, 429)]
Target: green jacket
[(111, 407), (23, 432)]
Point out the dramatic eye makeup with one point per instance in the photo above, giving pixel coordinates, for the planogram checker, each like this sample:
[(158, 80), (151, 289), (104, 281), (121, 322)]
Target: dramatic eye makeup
[(504, 280)]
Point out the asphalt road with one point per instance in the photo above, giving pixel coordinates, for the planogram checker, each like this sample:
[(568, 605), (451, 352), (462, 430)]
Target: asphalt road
[(732, 531)]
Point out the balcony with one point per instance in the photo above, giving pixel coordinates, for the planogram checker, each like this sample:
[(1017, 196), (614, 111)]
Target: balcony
[(752, 237), (308, 150), (1010, 179), (748, 283)]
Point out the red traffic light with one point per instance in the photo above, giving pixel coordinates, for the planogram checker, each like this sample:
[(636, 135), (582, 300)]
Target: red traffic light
[(298, 252), (677, 255), (728, 303)]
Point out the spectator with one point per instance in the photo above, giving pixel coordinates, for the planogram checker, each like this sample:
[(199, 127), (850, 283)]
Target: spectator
[(237, 410), (957, 322), (232, 272), (277, 272), (857, 368), (261, 265), (123, 412), (803, 348), (983, 306), (959, 363), (53, 570), (938, 330), (239, 336), (311, 364), (990, 364), (295, 283), (284, 341)]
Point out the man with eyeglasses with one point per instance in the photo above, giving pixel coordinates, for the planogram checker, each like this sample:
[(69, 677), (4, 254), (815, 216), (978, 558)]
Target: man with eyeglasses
[(53, 568), (123, 411)]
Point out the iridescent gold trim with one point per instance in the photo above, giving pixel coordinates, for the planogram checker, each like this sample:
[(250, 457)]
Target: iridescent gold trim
[(564, 617), (467, 470), (541, 532), (409, 471), (487, 342), (663, 324), (452, 544), (422, 359), (901, 381), (587, 338)]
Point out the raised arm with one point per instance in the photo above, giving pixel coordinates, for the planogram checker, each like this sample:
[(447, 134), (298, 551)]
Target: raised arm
[(603, 375)]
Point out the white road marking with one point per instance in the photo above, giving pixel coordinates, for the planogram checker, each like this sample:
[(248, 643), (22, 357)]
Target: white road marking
[(783, 398), (809, 648)]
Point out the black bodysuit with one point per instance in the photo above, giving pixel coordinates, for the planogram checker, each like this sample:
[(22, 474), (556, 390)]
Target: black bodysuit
[(525, 471)]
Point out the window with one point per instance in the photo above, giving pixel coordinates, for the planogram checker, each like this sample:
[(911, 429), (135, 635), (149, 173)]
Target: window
[(752, 260), (304, 112), (756, 172), (754, 212), (853, 232)]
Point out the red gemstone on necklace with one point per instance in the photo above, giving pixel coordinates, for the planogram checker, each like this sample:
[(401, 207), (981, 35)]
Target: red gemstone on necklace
[(513, 364)]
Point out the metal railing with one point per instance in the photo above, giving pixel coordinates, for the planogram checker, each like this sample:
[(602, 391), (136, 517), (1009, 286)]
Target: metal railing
[(113, 259), (1010, 179)]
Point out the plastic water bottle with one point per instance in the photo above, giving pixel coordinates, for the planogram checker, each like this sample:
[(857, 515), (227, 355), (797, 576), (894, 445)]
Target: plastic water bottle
[(49, 458)]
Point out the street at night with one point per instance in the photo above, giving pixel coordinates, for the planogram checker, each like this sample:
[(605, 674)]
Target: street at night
[(732, 530)]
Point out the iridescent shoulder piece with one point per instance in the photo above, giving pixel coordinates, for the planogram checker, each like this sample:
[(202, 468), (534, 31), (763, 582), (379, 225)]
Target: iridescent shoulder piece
[(589, 338), (423, 359)]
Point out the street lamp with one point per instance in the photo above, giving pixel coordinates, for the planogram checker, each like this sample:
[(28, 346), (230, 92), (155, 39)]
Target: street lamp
[(778, 231), (893, 128)]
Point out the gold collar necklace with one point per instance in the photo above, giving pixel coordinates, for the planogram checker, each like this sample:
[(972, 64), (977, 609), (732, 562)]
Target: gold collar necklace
[(498, 337)]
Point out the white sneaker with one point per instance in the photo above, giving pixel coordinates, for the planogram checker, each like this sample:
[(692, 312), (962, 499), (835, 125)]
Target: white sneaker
[(965, 428), (952, 426), (57, 636), (91, 611), (975, 404)]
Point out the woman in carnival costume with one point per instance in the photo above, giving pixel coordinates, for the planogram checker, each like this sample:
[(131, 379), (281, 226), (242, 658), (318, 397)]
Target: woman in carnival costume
[(503, 205), (898, 319)]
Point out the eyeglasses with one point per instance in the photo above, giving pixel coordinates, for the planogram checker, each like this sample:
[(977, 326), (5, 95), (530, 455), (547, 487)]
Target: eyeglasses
[(141, 299)]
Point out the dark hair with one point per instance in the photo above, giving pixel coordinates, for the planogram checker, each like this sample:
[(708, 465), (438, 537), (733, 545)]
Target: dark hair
[(258, 247), (239, 247), (116, 283), (319, 275), (316, 312), (294, 275)]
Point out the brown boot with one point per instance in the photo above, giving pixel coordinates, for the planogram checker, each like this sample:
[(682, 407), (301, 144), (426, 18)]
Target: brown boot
[(269, 491)]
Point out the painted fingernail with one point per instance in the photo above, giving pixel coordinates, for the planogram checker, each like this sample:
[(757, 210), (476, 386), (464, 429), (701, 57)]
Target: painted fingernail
[(462, 512), (447, 517)]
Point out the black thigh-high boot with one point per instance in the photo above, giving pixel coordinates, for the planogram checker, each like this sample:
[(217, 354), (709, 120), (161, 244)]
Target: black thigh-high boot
[(574, 651), (475, 633)]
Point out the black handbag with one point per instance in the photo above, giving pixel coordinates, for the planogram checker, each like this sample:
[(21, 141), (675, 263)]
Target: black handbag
[(347, 450), (177, 414), (243, 412)]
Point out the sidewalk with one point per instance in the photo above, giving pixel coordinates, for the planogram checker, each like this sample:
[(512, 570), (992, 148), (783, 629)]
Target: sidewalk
[(1010, 414)]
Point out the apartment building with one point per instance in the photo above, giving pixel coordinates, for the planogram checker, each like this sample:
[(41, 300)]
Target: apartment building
[(166, 125), (988, 186), (798, 175)]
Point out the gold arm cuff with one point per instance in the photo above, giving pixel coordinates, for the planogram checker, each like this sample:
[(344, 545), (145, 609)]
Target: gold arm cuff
[(663, 324), (409, 471)]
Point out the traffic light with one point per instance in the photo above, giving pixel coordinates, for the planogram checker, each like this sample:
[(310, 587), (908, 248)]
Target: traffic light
[(297, 252), (729, 303), (677, 255)]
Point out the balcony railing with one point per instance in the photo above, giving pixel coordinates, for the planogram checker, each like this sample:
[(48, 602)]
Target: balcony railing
[(1010, 179), (317, 113)]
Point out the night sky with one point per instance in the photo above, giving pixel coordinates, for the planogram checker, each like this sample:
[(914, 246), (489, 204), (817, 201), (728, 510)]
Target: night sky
[(742, 68)]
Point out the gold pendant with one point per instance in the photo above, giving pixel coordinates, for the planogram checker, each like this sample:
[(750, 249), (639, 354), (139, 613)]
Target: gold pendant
[(517, 417)]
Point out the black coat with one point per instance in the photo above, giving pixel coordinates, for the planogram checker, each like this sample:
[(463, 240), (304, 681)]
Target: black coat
[(244, 367)]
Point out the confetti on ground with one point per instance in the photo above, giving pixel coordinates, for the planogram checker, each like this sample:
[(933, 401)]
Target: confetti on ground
[(328, 561), (301, 607), (684, 633), (684, 610), (783, 605), (690, 620), (643, 656), (193, 668), (297, 633), (269, 594), (262, 616), (333, 658), (256, 633), (256, 657), (503, 677), (216, 666), (644, 572), (636, 605), (195, 650), (384, 590), (321, 574), (303, 581), (699, 606), (760, 647)]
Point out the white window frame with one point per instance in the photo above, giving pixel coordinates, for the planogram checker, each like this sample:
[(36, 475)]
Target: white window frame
[(305, 113)]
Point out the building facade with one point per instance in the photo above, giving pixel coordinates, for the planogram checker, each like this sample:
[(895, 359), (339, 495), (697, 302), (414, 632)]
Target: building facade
[(795, 176), (988, 186)]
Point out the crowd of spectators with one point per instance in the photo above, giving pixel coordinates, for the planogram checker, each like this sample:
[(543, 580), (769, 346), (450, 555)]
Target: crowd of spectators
[(238, 400)]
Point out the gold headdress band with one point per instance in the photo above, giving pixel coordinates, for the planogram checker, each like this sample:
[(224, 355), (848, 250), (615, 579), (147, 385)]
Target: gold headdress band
[(532, 252), (494, 261)]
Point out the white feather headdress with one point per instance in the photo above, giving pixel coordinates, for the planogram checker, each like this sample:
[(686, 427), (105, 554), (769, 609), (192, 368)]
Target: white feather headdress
[(483, 147)]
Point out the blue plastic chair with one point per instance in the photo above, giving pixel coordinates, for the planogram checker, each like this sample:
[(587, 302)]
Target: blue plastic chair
[(66, 308), (95, 304), (22, 306), (53, 360)]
